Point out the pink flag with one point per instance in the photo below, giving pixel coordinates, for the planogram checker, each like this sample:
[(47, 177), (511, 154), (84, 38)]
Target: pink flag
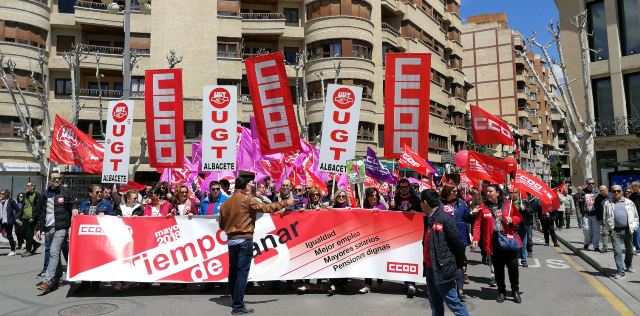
[(246, 155)]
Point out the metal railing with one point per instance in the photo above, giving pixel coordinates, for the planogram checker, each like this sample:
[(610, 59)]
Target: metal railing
[(92, 5), (113, 50), (618, 126), (391, 29), (262, 16), (229, 54)]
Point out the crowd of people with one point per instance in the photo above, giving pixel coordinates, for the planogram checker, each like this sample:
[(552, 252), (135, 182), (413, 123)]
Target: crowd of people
[(497, 220)]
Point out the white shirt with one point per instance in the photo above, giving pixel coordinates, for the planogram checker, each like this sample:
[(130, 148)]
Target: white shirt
[(181, 209), (155, 211)]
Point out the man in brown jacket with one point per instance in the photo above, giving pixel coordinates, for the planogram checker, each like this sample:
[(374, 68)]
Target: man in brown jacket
[(238, 220)]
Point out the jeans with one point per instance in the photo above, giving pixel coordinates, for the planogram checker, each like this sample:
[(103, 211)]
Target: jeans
[(240, 256), (57, 238), (509, 259), (9, 229), (567, 218), (605, 237), (525, 233), (443, 293), (580, 219), (619, 235), (636, 239), (591, 230)]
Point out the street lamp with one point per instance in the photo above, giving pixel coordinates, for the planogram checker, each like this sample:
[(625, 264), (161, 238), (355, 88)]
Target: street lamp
[(114, 8)]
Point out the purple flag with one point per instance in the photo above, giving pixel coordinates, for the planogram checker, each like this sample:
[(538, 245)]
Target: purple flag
[(246, 156), (196, 155), (376, 170)]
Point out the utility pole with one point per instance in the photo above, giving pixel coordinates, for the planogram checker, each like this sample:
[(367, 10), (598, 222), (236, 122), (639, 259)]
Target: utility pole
[(126, 62)]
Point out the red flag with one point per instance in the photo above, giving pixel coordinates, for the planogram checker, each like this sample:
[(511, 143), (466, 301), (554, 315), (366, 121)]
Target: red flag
[(352, 196), (411, 159), (272, 105), (488, 129), (274, 167), (562, 187), (296, 175), (464, 179), (528, 183), (313, 180), (406, 119), (164, 119), (71, 146), (131, 185), (483, 167)]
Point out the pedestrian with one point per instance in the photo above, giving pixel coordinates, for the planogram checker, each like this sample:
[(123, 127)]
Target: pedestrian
[(559, 216), (621, 218), (497, 216), (590, 225), (211, 203), (570, 207), (372, 201), (158, 206), (226, 187), (55, 221), (444, 255), (525, 228), (405, 199), (456, 207), (183, 204), (547, 216), (635, 198), (579, 211), (237, 219), (18, 226), (33, 207), (8, 214), (96, 204), (605, 237)]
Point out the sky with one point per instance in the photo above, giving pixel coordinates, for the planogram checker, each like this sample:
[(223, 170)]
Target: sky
[(526, 16)]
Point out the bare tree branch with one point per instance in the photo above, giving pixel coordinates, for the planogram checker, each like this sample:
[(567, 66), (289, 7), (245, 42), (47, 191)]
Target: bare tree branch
[(172, 59), (74, 57)]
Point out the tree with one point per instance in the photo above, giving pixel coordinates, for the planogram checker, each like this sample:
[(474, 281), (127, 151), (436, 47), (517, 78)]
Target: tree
[(581, 132), (74, 57), (300, 67)]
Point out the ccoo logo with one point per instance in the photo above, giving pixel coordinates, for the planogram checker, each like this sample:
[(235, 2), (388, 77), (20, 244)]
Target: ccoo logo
[(67, 139), (120, 112), (219, 98), (343, 98)]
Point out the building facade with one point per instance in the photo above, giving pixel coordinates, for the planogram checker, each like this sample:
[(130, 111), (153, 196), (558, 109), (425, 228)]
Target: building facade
[(505, 86), (614, 65), (213, 37)]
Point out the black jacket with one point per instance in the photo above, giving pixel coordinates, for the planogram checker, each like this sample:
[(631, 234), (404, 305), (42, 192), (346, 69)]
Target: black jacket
[(12, 211), (445, 247), (63, 204), (599, 207)]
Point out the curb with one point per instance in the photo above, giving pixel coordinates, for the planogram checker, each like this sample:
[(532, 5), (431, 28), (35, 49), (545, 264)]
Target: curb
[(582, 255)]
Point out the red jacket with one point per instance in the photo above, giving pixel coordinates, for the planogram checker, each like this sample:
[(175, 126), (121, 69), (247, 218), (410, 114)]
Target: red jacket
[(483, 226), (165, 208)]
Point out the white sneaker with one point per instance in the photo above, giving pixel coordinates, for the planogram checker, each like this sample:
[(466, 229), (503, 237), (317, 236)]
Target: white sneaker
[(365, 290), (619, 276), (13, 253), (630, 270)]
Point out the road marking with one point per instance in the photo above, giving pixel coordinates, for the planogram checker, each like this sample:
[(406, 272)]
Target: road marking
[(617, 304)]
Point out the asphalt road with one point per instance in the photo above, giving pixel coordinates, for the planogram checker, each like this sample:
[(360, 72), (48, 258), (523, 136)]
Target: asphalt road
[(556, 283)]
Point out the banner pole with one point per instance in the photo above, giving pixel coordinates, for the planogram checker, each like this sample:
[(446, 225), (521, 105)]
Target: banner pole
[(333, 186)]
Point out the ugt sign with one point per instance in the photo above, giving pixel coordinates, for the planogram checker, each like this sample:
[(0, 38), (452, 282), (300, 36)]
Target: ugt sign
[(219, 132), (115, 168), (163, 113), (341, 117)]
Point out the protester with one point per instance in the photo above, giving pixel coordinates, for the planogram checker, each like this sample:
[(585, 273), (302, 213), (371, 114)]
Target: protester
[(183, 204), (372, 200), (525, 227), (456, 207), (210, 205), (158, 206), (591, 227), (621, 218), (299, 192), (443, 255), (18, 227), (226, 187), (33, 207), (96, 205), (286, 194), (130, 207), (605, 237), (498, 216), (406, 199), (55, 222), (635, 198), (340, 199), (261, 193), (269, 189), (314, 200), (237, 219), (579, 211), (569, 207), (547, 217), (8, 214)]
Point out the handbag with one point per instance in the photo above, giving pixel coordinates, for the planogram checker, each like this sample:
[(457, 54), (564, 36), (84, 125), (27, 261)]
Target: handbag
[(507, 242)]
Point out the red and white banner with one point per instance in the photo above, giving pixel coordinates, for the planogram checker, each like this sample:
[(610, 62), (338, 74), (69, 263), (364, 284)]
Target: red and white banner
[(115, 168), (219, 132), (272, 104), (536, 187), (411, 159), (488, 129), (163, 114), (407, 97), (310, 245), (71, 146), (483, 167), (340, 128)]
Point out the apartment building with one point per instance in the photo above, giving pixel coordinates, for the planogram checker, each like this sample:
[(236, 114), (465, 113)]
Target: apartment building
[(505, 86), (614, 65), (213, 37)]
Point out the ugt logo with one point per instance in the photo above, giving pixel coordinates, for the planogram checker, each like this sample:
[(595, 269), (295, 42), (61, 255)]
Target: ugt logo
[(120, 112), (219, 97), (67, 138), (343, 98)]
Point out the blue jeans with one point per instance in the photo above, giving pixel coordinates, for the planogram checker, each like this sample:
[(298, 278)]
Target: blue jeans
[(636, 239), (591, 230), (56, 239), (239, 263), (443, 293), (620, 235), (525, 233), (47, 253)]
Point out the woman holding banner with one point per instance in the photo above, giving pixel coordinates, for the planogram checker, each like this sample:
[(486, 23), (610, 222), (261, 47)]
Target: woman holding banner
[(340, 200), (457, 208), (373, 201), (158, 206), (183, 204), (495, 224)]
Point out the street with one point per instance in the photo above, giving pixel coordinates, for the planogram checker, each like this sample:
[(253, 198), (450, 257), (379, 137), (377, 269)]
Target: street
[(555, 283)]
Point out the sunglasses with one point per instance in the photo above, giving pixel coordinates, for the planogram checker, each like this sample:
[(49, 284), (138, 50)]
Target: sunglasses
[(373, 195), (342, 196), (616, 191), (97, 192), (215, 189), (297, 190), (591, 183), (184, 192), (403, 187), (316, 194), (286, 185)]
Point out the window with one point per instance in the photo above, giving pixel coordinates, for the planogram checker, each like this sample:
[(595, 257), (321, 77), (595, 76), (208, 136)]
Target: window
[(322, 8), (366, 131), (632, 92), (629, 17), (117, 86), (92, 128), (103, 86), (634, 154), (192, 129), (291, 15), (137, 84), (228, 8), (228, 47), (64, 43), (602, 99), (597, 27), (290, 54), (606, 161), (63, 87), (380, 136), (333, 48), (66, 6)]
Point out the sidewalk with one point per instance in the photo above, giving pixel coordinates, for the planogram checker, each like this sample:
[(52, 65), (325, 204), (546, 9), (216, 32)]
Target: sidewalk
[(573, 239)]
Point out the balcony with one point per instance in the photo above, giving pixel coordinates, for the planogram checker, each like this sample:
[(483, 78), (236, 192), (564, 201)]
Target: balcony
[(392, 36), (263, 23), (618, 126), (89, 12)]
